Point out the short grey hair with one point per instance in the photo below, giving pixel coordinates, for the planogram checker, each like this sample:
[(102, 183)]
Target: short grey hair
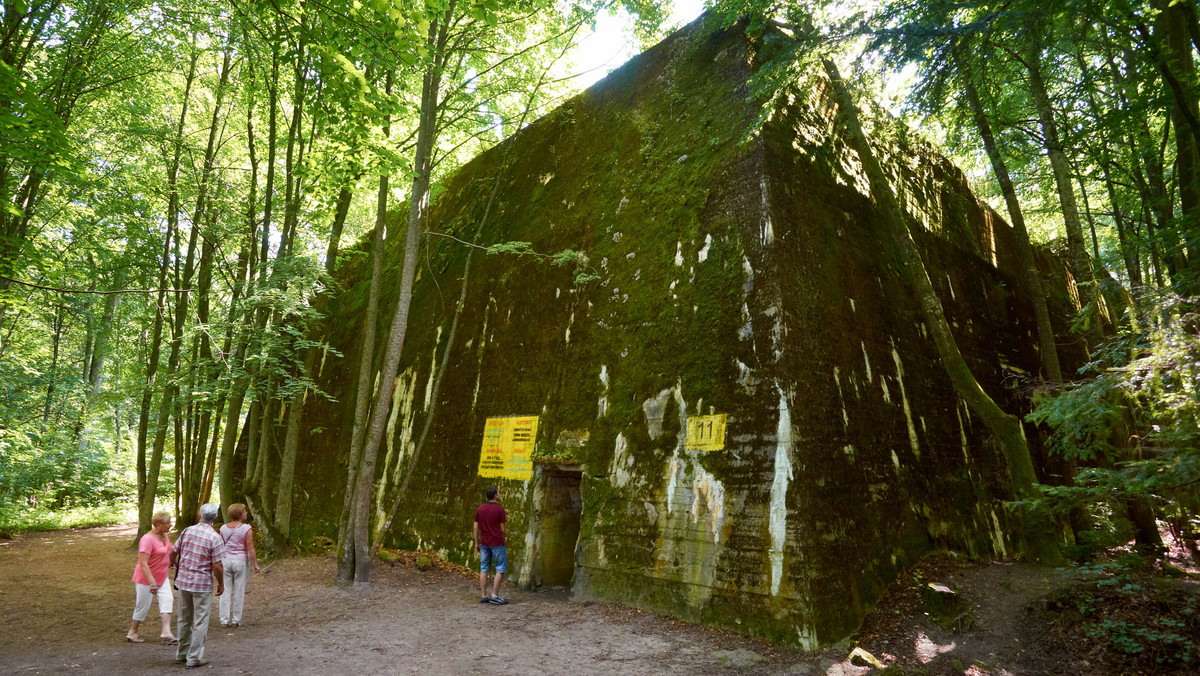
[(208, 512)]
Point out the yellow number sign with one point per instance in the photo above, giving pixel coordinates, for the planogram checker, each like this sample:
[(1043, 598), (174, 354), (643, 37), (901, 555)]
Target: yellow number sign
[(508, 447), (706, 432)]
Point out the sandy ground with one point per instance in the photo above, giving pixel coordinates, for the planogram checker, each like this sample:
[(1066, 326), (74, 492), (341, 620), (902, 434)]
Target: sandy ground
[(66, 598)]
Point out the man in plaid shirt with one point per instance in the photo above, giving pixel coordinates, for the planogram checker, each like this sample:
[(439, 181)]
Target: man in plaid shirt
[(198, 557)]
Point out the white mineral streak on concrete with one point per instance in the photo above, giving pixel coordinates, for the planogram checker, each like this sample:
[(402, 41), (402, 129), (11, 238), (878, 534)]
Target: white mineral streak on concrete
[(866, 360), (747, 275), (675, 466), (653, 408), (479, 361), (962, 434), (950, 285), (433, 367), (402, 403), (745, 377), (533, 530), (837, 380), (776, 331), (998, 536), (747, 330), (852, 308), (912, 430), (602, 405), (401, 397), (570, 322), (678, 254), (887, 394), (704, 249), (768, 233), (530, 553), (895, 459), (705, 486), (783, 474), (651, 512), (618, 474)]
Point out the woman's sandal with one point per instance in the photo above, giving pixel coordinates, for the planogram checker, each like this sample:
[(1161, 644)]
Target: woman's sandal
[(134, 639)]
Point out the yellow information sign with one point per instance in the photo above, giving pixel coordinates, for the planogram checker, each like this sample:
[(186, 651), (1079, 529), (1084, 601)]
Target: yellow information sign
[(706, 432), (508, 447)]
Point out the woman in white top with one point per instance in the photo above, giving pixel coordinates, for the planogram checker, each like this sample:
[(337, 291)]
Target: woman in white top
[(239, 549)]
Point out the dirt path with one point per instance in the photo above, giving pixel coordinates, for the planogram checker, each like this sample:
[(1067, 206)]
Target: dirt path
[(66, 598), (65, 601)]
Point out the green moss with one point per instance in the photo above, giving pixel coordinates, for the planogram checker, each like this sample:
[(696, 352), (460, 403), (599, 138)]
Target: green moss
[(646, 167)]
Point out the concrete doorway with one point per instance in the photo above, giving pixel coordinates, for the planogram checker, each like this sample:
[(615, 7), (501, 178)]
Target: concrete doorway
[(562, 506)]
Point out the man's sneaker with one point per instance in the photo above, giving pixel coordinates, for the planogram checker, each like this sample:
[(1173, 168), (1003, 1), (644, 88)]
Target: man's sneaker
[(485, 599), (498, 601)]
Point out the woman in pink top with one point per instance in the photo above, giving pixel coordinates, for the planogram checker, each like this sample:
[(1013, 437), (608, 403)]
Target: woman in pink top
[(150, 578), (239, 550)]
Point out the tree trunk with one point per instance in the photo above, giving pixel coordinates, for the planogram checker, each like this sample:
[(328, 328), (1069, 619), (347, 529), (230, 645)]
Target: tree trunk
[(426, 135), (435, 396), (1179, 69), (346, 549), (1081, 265), (148, 469), (1048, 352), (1006, 428)]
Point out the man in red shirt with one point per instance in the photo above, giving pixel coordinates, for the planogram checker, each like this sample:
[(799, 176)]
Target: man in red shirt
[(489, 542)]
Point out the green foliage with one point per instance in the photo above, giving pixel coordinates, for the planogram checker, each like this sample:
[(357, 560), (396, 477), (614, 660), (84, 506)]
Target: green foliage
[(1111, 598), (582, 272), (36, 519), (1134, 423), (52, 473)]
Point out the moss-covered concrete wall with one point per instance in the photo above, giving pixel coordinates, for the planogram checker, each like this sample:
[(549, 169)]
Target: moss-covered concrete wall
[(739, 273)]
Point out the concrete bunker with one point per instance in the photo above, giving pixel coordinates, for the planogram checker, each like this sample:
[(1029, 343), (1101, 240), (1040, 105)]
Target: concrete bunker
[(735, 269)]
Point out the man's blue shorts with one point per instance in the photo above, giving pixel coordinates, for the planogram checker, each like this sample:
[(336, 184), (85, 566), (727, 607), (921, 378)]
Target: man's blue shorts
[(493, 555)]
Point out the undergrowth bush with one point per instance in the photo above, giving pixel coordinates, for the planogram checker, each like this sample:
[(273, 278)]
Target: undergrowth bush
[(1133, 424), (1143, 618)]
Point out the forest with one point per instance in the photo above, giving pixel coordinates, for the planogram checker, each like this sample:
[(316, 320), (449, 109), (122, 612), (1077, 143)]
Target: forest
[(179, 183)]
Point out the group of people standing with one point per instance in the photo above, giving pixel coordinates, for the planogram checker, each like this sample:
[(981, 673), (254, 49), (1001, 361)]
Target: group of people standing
[(201, 556)]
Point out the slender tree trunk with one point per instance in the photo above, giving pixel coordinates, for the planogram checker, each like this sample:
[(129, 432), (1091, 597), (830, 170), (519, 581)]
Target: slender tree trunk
[(426, 135), (283, 511), (1048, 348), (94, 363), (52, 375), (435, 396), (1006, 428), (1179, 69), (241, 381), (166, 404), (346, 550), (147, 469), (1081, 265), (202, 367)]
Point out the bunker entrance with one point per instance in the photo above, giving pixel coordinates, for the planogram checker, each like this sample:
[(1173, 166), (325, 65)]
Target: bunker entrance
[(559, 529)]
